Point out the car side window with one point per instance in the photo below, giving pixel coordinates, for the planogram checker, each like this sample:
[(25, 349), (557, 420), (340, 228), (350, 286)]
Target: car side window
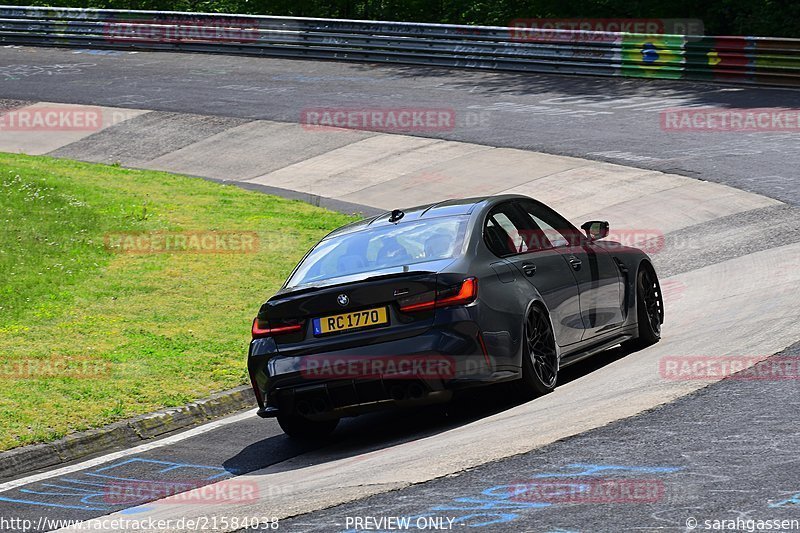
[(503, 232), (551, 238), (553, 230)]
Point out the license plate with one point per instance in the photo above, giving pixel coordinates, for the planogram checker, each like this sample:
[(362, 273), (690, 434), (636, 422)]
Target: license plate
[(348, 321)]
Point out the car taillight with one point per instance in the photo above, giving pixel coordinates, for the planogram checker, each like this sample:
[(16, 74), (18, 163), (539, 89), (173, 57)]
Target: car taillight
[(460, 294), (262, 329)]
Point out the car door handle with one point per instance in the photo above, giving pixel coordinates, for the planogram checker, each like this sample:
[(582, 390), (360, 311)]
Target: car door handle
[(529, 269), (575, 263)]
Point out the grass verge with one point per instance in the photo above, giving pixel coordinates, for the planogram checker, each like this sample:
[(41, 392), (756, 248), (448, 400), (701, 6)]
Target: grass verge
[(90, 334)]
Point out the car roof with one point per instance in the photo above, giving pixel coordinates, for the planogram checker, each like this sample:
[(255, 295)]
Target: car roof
[(451, 207)]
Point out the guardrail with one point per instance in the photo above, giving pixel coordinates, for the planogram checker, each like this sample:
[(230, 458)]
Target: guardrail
[(755, 60)]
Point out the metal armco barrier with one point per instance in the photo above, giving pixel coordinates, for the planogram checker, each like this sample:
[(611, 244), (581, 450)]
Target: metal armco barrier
[(756, 60)]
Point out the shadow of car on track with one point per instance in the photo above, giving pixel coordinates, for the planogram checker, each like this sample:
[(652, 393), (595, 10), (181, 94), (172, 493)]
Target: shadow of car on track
[(375, 431)]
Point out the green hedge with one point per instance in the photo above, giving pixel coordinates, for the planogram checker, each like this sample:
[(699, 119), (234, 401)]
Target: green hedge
[(777, 18)]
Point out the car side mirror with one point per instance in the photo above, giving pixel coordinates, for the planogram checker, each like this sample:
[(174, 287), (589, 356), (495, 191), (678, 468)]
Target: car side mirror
[(596, 229)]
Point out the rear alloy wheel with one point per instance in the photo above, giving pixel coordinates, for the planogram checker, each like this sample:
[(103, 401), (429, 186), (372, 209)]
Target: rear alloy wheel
[(299, 427), (539, 356), (649, 309)]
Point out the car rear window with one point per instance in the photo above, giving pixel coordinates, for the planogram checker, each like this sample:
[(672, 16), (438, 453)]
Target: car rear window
[(382, 247)]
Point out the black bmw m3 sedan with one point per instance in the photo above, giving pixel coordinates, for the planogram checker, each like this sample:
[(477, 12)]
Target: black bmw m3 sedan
[(408, 306)]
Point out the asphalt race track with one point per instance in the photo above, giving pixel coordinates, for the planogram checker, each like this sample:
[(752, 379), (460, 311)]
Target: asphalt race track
[(705, 450), (724, 453), (615, 120), (258, 443), (705, 456)]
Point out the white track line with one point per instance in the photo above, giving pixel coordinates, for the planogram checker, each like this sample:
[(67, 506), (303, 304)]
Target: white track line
[(124, 453)]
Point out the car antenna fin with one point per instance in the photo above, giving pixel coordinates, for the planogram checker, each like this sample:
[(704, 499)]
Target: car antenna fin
[(396, 215)]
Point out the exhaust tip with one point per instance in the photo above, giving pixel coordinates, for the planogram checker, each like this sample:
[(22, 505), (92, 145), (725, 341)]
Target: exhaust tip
[(318, 405), (416, 391), (303, 408)]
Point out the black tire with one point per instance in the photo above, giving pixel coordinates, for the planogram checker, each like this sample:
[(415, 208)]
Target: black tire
[(302, 428), (539, 356), (649, 309)]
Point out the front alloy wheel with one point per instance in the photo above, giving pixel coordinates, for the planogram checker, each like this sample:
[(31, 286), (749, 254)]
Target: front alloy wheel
[(649, 309)]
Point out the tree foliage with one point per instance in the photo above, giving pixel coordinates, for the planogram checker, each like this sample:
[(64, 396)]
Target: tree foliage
[(778, 18)]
